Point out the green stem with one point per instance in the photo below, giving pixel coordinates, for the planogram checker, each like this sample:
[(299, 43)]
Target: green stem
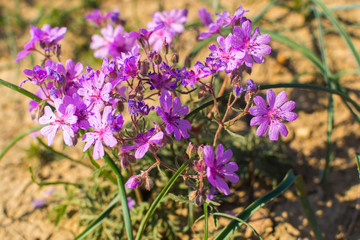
[(206, 215), (122, 193)]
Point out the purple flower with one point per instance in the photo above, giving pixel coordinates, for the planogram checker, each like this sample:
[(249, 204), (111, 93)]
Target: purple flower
[(226, 53), (81, 112), (73, 70), (250, 87), (113, 42), (218, 169), (137, 108), (170, 112), (165, 26), (215, 65), (200, 71), (35, 76), (102, 133), (254, 46), (161, 82), (133, 181), (94, 90), (272, 114), (46, 36), (143, 141), (223, 19), (96, 17), (63, 118), (131, 203), (171, 21), (205, 17)]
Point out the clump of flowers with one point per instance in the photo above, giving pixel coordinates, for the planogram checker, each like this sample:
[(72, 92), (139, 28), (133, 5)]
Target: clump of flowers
[(141, 77)]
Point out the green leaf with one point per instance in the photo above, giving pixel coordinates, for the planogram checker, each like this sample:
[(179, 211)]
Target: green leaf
[(258, 203), (21, 90), (301, 192), (239, 137), (99, 219), (18, 138), (158, 199)]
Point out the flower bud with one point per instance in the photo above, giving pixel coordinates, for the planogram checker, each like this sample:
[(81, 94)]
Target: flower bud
[(191, 150), (144, 67), (148, 182), (166, 47), (201, 152), (187, 62), (141, 42), (157, 59), (175, 58), (199, 166), (134, 181), (120, 106)]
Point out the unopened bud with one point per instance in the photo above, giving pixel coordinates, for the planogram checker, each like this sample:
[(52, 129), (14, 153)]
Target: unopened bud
[(148, 182), (134, 181), (199, 166), (200, 199), (139, 96), (187, 62), (175, 58), (144, 67), (58, 50), (166, 47), (200, 152), (157, 59), (191, 150), (141, 42), (120, 106)]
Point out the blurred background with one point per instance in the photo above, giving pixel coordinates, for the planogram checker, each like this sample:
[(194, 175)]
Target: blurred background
[(326, 133)]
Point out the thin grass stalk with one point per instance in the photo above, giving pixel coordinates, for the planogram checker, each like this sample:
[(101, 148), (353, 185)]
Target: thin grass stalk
[(123, 197), (206, 215)]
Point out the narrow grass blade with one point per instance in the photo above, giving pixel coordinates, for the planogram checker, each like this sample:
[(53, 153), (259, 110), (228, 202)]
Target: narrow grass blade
[(20, 90), (18, 138), (358, 163), (345, 7), (296, 46), (234, 218), (206, 215), (331, 115), (314, 87), (122, 193), (258, 203), (63, 155), (97, 166), (41, 184), (99, 219), (343, 33), (156, 202), (301, 192)]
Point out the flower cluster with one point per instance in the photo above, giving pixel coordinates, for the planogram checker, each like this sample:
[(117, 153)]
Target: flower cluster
[(138, 81)]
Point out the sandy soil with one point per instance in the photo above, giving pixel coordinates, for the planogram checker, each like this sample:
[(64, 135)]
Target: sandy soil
[(334, 201)]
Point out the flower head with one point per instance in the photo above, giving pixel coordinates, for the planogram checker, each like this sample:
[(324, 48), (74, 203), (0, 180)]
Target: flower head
[(102, 132), (272, 114), (170, 112), (143, 142), (254, 46), (218, 169), (63, 118)]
